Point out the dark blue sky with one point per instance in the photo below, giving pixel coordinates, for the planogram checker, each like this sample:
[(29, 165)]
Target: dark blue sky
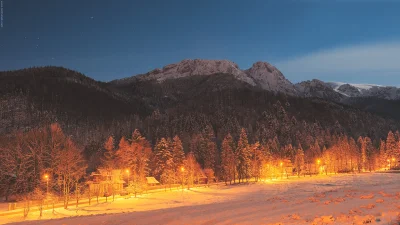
[(351, 41)]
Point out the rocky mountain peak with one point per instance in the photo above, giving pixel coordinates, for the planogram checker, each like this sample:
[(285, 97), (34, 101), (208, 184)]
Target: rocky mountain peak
[(349, 90), (192, 67), (270, 78), (319, 89), (261, 74)]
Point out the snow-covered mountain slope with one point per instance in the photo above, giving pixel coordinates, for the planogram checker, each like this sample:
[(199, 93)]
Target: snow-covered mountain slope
[(366, 90), (261, 74), (319, 89)]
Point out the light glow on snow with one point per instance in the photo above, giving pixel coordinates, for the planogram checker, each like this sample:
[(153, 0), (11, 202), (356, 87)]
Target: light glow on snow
[(322, 199)]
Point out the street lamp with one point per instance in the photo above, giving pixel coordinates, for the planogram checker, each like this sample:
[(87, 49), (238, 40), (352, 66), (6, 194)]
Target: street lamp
[(393, 159), (318, 162), (47, 183), (390, 166), (281, 164), (182, 171), (127, 171)]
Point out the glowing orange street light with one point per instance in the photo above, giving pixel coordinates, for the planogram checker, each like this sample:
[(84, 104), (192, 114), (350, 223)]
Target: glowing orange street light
[(319, 168), (47, 183), (182, 170), (127, 171)]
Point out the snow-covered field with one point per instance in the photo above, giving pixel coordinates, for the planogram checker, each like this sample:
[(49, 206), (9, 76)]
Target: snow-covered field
[(346, 199)]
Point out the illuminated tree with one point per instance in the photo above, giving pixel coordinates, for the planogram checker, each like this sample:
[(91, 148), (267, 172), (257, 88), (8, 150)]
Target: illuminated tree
[(243, 156), (228, 161), (257, 160), (136, 159), (391, 145), (109, 156), (71, 167), (382, 154), (299, 160), (178, 156), (163, 161), (363, 152), (370, 154), (191, 169)]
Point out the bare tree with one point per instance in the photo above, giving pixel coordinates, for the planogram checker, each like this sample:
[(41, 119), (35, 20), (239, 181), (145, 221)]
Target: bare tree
[(70, 169)]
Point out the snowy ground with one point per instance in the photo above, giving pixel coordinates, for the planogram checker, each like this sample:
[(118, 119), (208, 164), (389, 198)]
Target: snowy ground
[(345, 199)]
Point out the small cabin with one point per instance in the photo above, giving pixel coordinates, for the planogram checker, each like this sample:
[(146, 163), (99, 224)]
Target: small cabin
[(152, 181), (106, 182)]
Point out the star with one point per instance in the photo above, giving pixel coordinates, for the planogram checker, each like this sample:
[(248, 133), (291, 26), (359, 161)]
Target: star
[(92, 17), (38, 38)]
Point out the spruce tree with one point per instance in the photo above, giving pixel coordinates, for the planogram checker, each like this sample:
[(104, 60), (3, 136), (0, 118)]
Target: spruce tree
[(228, 165), (177, 152), (299, 160), (382, 154), (363, 153), (243, 155), (109, 156), (390, 145), (163, 161), (178, 157)]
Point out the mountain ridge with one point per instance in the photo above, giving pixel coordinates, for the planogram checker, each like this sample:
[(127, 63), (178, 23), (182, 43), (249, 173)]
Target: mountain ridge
[(184, 106), (261, 74)]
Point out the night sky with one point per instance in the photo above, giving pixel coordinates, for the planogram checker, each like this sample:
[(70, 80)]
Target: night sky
[(351, 41)]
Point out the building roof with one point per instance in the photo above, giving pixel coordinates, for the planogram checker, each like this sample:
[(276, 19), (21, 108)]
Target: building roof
[(152, 180)]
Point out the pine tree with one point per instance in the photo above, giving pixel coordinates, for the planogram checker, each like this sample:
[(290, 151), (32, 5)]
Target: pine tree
[(177, 151), (369, 154), (391, 145), (299, 160), (243, 155), (209, 148), (354, 154), (257, 160), (363, 153), (178, 156), (138, 160), (163, 161), (109, 157), (382, 154), (228, 159)]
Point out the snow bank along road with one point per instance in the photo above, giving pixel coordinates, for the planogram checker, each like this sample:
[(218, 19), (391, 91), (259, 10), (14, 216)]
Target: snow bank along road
[(344, 199)]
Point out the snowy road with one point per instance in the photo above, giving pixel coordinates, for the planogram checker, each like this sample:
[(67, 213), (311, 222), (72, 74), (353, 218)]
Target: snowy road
[(340, 199)]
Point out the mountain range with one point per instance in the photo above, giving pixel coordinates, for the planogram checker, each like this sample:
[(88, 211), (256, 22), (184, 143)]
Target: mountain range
[(267, 77), (186, 97)]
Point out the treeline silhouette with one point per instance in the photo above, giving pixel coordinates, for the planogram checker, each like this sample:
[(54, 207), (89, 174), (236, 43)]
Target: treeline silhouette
[(29, 156), (201, 110)]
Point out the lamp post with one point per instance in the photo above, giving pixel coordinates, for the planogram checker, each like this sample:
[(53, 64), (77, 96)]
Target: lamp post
[(127, 171), (390, 166), (182, 171), (318, 162), (281, 164), (393, 160), (47, 183)]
